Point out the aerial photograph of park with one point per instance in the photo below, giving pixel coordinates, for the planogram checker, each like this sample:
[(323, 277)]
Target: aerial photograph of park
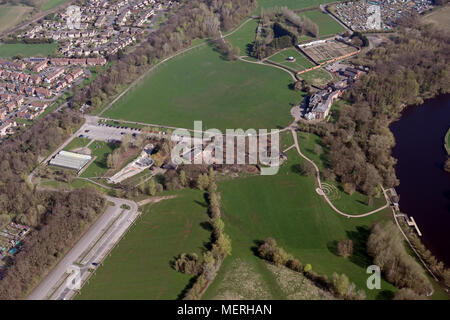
[(238, 152)]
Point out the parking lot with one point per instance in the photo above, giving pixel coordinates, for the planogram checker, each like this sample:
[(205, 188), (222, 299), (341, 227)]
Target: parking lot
[(108, 133)]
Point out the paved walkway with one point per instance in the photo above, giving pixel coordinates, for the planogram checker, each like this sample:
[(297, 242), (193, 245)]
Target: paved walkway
[(320, 189)]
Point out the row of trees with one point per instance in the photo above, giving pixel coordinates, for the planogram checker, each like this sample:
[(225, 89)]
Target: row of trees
[(434, 264), (386, 246), (220, 246), (338, 284), (413, 65)]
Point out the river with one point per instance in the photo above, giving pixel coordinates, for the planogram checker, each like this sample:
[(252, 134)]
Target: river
[(424, 185)]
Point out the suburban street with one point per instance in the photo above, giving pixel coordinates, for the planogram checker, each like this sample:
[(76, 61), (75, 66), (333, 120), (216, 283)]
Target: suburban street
[(93, 247)]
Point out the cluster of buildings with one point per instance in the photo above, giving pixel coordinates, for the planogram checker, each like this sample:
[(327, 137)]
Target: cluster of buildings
[(28, 87), (320, 103), (362, 15), (105, 27)]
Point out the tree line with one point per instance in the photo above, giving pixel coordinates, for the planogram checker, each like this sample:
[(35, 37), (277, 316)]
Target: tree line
[(220, 247)]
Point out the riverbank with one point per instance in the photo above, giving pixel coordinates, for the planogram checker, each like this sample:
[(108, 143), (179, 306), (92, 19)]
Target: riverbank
[(424, 185)]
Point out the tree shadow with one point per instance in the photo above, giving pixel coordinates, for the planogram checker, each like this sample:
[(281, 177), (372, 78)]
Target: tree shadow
[(186, 289), (385, 295), (296, 168), (249, 48), (332, 247), (201, 203), (359, 238), (254, 248), (206, 225)]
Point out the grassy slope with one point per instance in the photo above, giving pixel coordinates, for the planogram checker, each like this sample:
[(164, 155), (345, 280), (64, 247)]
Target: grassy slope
[(11, 15), (300, 63), (244, 37), (27, 50), (286, 207), (327, 25), (50, 4), (139, 268), (200, 85)]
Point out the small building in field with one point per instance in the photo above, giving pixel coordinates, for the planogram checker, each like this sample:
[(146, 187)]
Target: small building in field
[(70, 160)]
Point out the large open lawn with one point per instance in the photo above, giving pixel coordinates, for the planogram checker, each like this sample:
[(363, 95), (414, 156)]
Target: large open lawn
[(139, 268), (244, 37), (317, 77), (300, 63), (327, 25), (11, 15), (286, 206), (27, 50), (201, 85)]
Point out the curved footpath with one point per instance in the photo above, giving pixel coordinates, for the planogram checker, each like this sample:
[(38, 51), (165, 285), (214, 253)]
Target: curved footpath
[(322, 193)]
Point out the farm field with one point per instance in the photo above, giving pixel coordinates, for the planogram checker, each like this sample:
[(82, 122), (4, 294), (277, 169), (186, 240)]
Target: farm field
[(327, 25), (244, 37), (11, 15), (317, 77), (139, 268), (291, 4), (300, 63), (201, 85), (27, 50), (50, 4), (286, 206)]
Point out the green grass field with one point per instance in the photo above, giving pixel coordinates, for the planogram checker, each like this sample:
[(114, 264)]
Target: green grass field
[(317, 77), (300, 63), (77, 143), (27, 50), (244, 37), (286, 207), (200, 85), (327, 25), (291, 4), (50, 4), (139, 268), (11, 15), (100, 150)]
